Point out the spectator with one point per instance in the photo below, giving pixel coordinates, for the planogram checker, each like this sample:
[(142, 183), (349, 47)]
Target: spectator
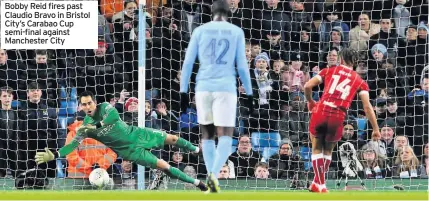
[(424, 168), (336, 40), (41, 126), (373, 164), (89, 155), (421, 51), (111, 7), (411, 42), (396, 114), (10, 127), (261, 171), (227, 171), (249, 56), (255, 50), (294, 121), (331, 19), (420, 94), (102, 73), (104, 31), (189, 123), (44, 73), (151, 116), (189, 16), (401, 15), (394, 44), (296, 75), (387, 133), (166, 46), (173, 94), (167, 120), (400, 142), (406, 164), (177, 160), (271, 17), (12, 74), (274, 45), (239, 17), (307, 46), (126, 39), (244, 159), (284, 164), (300, 20), (262, 82), (360, 35), (332, 59), (224, 172), (419, 113)]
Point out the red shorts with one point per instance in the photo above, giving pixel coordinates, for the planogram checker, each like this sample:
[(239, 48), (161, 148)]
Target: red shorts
[(326, 127)]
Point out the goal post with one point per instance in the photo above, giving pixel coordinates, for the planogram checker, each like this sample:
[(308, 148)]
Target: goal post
[(141, 81)]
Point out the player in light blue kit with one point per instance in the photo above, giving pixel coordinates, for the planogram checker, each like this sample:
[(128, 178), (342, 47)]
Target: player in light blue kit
[(220, 47)]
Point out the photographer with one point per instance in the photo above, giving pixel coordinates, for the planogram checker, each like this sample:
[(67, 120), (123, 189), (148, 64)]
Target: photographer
[(349, 135)]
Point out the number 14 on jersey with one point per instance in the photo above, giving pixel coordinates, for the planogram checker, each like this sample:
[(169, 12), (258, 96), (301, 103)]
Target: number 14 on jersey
[(343, 87)]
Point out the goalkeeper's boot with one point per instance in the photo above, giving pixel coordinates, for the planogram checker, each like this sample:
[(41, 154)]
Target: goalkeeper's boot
[(314, 188), (203, 187), (213, 184)]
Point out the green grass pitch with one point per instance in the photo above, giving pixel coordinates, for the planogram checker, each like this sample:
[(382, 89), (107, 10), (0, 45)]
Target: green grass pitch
[(239, 195)]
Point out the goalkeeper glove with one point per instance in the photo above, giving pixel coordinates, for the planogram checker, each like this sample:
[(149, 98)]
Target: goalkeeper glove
[(184, 101), (87, 128), (249, 103), (43, 157)]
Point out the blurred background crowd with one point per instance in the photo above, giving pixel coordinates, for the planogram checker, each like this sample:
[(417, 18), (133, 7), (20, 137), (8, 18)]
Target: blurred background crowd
[(288, 42)]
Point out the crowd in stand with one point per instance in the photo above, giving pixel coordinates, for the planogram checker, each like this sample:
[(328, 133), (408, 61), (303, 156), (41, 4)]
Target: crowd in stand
[(288, 42)]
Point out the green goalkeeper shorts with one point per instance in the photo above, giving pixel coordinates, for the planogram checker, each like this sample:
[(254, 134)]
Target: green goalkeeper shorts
[(147, 139)]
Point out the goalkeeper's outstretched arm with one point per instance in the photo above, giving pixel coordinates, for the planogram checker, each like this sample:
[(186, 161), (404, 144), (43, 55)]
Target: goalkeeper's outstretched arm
[(47, 155)]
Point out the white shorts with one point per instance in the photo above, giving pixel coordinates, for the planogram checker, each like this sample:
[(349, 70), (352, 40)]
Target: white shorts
[(218, 108)]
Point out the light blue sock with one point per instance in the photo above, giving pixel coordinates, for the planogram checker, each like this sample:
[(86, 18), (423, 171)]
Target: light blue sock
[(209, 153), (223, 151)]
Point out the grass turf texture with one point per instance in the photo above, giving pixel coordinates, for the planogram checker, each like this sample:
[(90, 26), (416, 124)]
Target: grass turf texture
[(240, 195)]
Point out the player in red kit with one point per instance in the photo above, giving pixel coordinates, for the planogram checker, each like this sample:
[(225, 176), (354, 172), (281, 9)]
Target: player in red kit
[(326, 123)]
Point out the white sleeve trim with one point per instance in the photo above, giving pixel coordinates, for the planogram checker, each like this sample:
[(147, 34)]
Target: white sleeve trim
[(363, 92), (319, 78)]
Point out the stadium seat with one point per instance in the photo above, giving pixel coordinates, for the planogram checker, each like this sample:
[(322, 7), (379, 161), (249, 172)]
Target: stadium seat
[(305, 154), (361, 123), (16, 104), (266, 143), (68, 104)]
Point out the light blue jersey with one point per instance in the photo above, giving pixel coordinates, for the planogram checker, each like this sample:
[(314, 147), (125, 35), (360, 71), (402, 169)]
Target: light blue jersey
[(220, 46)]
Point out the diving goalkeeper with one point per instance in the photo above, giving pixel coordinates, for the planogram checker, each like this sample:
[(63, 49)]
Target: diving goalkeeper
[(102, 123)]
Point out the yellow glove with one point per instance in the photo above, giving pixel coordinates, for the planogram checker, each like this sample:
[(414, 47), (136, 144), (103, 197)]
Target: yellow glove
[(43, 157)]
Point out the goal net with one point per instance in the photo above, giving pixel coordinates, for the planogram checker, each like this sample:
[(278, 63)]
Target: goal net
[(271, 147)]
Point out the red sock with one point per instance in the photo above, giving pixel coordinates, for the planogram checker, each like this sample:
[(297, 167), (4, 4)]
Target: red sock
[(318, 168), (328, 160)]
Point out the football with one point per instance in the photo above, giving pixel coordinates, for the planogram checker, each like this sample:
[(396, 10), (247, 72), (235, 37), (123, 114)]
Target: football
[(99, 178)]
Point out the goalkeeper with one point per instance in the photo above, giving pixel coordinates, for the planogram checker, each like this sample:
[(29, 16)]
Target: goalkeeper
[(102, 123)]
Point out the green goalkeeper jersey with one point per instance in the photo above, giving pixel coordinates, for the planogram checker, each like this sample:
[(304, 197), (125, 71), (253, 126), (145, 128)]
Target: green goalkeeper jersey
[(115, 134)]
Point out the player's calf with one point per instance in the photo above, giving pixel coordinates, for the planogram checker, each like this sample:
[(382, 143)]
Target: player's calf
[(180, 143)]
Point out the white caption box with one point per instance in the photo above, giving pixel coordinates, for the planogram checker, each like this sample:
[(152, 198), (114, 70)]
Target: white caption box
[(48, 24)]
